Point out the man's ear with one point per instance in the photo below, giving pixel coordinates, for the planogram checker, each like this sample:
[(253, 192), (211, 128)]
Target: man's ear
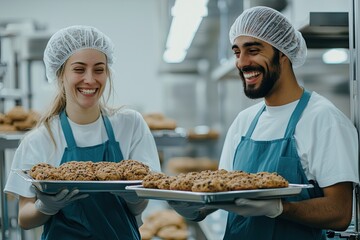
[(283, 58)]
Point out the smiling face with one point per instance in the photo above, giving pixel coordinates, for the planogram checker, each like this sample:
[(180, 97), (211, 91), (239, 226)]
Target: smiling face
[(84, 79), (258, 64)]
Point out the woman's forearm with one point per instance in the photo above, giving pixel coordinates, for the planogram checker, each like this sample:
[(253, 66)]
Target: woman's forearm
[(29, 216)]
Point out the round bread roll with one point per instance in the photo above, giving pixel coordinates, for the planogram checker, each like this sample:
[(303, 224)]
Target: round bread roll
[(2, 118), (7, 128), (178, 165), (173, 233), (17, 113), (156, 116)]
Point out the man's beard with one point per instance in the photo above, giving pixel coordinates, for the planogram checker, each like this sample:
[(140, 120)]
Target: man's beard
[(270, 77)]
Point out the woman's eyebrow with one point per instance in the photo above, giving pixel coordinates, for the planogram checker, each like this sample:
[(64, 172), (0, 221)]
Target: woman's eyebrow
[(81, 63)]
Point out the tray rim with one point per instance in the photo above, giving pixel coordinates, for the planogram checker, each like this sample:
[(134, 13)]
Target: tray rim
[(83, 186), (212, 197)]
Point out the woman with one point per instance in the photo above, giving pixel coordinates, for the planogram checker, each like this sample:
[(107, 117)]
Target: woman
[(79, 126)]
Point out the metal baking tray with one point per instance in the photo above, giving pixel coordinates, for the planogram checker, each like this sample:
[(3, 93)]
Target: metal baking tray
[(52, 186), (216, 197)]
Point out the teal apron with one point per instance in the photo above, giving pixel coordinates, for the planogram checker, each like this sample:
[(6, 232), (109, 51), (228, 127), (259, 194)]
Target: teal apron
[(279, 156), (101, 215)]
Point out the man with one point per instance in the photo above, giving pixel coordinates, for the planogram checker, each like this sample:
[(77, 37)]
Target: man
[(296, 133)]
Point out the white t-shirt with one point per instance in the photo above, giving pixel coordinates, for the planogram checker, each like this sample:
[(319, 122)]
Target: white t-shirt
[(327, 141), (130, 130)]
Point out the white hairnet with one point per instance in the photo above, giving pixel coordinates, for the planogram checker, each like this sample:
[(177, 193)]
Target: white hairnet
[(271, 26), (67, 41)]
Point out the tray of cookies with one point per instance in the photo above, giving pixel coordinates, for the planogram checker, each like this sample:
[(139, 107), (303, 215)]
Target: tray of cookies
[(86, 176), (210, 186)]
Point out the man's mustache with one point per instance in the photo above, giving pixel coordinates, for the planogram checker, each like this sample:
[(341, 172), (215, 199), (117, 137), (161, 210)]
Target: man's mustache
[(251, 68)]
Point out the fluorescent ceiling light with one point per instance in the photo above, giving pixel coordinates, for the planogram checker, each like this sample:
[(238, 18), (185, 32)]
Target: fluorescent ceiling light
[(173, 56), (190, 8), (335, 56), (187, 16), (182, 32)]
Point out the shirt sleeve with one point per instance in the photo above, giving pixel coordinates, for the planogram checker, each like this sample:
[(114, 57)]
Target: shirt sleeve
[(143, 147), (333, 155)]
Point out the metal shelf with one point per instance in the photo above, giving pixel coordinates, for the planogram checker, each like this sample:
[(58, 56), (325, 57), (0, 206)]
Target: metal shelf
[(225, 71), (14, 94), (7, 141), (169, 138)]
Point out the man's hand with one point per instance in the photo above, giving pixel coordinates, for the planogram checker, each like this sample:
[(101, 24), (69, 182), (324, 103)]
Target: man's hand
[(128, 196), (135, 204), (192, 211), (247, 207), (51, 204)]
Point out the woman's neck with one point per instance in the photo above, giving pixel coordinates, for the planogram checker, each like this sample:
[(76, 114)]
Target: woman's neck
[(83, 116)]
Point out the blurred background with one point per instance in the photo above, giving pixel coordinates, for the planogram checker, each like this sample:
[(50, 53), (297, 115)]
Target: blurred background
[(188, 95)]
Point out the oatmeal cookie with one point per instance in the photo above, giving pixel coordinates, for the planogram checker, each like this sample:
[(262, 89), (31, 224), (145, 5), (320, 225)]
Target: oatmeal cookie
[(242, 182), (270, 180), (44, 171), (210, 185), (78, 171), (182, 183), (108, 171), (165, 183), (134, 170), (150, 181)]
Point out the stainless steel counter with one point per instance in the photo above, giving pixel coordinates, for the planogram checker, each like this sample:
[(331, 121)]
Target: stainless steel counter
[(7, 141)]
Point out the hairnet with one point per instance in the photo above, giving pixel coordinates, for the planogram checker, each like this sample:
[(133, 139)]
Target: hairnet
[(67, 41), (271, 26)]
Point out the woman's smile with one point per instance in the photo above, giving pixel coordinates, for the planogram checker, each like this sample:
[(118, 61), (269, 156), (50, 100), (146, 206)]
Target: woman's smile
[(88, 91)]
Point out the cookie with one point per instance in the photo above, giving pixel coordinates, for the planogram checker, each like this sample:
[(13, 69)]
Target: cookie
[(270, 180), (108, 171), (77, 171), (210, 185), (182, 183), (165, 183), (134, 170), (150, 180), (44, 171), (242, 183)]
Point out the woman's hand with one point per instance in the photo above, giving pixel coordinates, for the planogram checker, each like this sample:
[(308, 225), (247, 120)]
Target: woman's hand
[(51, 204)]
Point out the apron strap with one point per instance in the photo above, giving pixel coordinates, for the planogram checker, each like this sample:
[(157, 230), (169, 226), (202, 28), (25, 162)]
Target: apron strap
[(109, 129), (69, 137), (254, 122), (295, 116)]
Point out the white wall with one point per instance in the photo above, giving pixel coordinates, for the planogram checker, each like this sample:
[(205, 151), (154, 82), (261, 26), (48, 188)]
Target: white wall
[(133, 25)]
